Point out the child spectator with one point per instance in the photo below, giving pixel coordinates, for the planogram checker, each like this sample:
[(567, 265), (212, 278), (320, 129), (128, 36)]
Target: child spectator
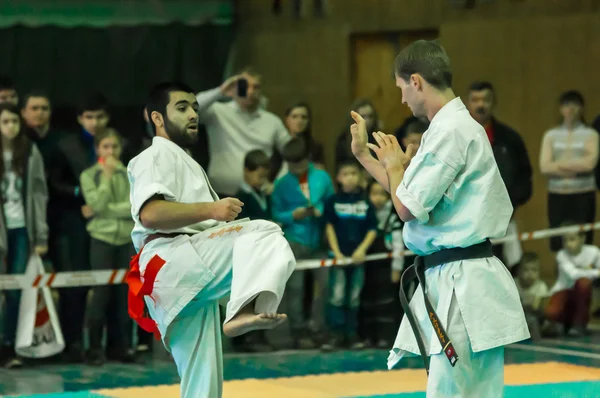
[(257, 206), (380, 304), (257, 202), (351, 230), (413, 134), (23, 225), (578, 265), (105, 188), (298, 201), (532, 291)]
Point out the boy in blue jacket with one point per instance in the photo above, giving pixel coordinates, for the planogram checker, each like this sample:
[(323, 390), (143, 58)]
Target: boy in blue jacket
[(298, 201)]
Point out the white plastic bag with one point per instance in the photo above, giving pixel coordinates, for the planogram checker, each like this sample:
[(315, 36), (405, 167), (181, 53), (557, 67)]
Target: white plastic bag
[(38, 330)]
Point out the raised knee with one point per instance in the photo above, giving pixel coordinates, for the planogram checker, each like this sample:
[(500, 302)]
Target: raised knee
[(267, 226), (583, 285)]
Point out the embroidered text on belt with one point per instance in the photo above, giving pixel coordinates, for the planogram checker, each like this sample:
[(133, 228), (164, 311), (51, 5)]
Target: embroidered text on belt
[(417, 271)]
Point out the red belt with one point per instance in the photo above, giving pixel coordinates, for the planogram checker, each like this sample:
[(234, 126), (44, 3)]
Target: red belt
[(138, 289)]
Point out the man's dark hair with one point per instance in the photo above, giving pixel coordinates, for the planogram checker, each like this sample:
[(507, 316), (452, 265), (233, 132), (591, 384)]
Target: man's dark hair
[(416, 127), (6, 83), (295, 151), (159, 98), (529, 257), (428, 59), (571, 96), (349, 162), (256, 159), (34, 94), (94, 102), (481, 85), (249, 70)]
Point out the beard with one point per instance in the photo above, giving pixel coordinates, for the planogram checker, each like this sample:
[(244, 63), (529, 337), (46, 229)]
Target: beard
[(179, 135)]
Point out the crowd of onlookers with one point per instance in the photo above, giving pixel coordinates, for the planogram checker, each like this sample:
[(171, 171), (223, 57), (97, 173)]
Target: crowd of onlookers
[(65, 197)]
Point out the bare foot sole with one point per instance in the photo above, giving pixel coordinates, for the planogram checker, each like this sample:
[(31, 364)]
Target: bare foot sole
[(246, 322)]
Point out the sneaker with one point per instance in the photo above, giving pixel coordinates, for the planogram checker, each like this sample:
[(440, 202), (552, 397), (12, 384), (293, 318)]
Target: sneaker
[(9, 358), (332, 344), (355, 343), (383, 344), (578, 331), (121, 355), (305, 343), (551, 329), (95, 357), (74, 354)]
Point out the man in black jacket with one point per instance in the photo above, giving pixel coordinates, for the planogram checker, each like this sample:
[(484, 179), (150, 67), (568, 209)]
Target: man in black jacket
[(508, 146), (65, 157)]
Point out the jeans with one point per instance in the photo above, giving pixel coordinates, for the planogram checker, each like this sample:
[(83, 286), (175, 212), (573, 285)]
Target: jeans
[(16, 262), (305, 312), (346, 284), (109, 303)]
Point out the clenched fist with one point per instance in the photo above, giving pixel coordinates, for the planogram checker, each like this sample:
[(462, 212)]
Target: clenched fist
[(226, 209)]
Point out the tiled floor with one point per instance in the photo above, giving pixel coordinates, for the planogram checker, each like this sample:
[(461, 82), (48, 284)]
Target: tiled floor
[(557, 368)]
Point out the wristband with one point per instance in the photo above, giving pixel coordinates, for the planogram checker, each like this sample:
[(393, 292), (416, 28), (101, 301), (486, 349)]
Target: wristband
[(76, 191)]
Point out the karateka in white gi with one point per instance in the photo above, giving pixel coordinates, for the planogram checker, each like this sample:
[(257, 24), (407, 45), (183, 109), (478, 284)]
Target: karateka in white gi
[(189, 258), (450, 195)]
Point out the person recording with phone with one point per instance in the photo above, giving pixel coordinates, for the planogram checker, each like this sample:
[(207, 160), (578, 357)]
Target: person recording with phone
[(236, 126)]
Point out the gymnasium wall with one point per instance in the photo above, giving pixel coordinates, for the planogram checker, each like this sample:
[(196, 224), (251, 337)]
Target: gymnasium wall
[(530, 49)]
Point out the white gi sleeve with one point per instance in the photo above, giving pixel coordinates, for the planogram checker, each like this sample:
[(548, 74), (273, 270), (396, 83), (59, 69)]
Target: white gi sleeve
[(597, 257), (431, 172), (152, 173), (574, 273)]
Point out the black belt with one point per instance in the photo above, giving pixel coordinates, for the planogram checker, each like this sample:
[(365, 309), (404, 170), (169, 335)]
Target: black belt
[(417, 271)]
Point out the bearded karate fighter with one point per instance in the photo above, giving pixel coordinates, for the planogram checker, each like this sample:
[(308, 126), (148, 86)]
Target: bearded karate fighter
[(453, 201), (190, 254)]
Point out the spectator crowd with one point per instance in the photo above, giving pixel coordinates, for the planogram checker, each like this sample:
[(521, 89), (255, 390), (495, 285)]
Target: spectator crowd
[(65, 197)]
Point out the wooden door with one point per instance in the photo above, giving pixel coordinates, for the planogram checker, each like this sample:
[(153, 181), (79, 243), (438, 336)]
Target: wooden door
[(373, 72)]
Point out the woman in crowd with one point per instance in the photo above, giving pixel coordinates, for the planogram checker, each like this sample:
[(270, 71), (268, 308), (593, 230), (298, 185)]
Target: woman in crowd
[(568, 158), (23, 228), (298, 121), (106, 190)]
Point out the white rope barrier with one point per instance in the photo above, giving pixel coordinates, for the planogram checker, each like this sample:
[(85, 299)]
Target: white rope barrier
[(117, 276)]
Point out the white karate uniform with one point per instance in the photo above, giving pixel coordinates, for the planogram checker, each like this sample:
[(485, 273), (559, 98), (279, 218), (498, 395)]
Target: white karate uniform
[(206, 263), (454, 189)]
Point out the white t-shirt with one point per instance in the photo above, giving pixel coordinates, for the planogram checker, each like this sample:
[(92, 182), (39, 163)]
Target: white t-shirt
[(586, 264), (12, 187), (232, 133)]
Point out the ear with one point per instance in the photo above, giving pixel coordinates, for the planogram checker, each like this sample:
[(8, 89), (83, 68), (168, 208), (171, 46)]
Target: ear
[(80, 119), (417, 81), (157, 119)]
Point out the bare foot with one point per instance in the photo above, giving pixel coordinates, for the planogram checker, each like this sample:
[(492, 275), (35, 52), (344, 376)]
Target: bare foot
[(245, 322)]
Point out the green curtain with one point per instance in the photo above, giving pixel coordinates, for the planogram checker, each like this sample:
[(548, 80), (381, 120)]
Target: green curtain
[(122, 63), (105, 13)]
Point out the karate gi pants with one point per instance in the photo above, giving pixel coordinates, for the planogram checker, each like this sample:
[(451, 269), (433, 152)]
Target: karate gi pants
[(250, 260), (475, 375)]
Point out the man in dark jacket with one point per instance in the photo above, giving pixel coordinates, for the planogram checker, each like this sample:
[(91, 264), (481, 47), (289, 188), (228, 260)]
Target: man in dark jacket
[(508, 146), (65, 155)]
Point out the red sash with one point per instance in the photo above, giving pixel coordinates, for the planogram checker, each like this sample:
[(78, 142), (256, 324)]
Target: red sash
[(137, 291)]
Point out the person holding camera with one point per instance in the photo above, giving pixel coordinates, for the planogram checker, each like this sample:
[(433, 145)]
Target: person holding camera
[(236, 126)]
